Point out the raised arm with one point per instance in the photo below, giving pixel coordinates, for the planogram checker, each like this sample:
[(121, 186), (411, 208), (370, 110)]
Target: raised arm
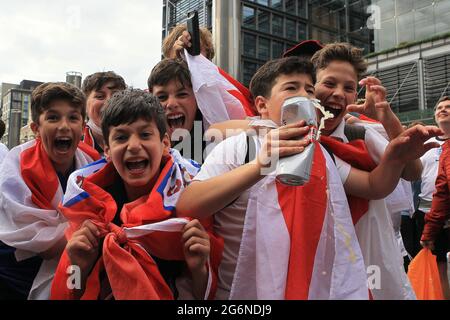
[(203, 198), (379, 183)]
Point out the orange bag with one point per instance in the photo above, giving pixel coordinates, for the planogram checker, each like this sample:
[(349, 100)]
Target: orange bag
[(424, 276)]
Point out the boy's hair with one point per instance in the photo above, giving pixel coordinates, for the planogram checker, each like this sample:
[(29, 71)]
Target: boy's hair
[(46, 93), (168, 70), (442, 99), (340, 52), (176, 32), (266, 76), (96, 81), (130, 105), (416, 123), (2, 128)]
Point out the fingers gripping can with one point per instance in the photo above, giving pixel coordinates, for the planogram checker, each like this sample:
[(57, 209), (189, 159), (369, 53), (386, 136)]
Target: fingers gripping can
[(295, 170)]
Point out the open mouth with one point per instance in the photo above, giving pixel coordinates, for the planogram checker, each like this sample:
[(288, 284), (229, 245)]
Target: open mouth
[(176, 120), (63, 144), (335, 110), (136, 167)]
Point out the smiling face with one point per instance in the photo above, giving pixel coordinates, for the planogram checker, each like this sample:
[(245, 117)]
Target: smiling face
[(179, 104), (136, 151), (96, 100), (60, 128), (336, 87), (442, 114), (286, 86)]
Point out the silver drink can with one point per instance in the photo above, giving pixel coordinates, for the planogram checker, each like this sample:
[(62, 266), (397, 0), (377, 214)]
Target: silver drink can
[(295, 170)]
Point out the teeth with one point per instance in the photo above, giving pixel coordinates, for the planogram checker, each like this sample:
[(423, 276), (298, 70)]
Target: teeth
[(136, 164), (175, 117)]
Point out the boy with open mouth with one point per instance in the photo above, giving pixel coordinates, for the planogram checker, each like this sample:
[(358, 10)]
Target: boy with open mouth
[(33, 180), (121, 212)]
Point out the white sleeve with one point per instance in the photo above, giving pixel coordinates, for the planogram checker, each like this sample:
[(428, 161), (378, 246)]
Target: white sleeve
[(376, 144), (226, 156), (343, 169)]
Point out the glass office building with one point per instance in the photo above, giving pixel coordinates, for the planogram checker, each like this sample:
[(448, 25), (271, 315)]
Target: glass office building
[(264, 29)]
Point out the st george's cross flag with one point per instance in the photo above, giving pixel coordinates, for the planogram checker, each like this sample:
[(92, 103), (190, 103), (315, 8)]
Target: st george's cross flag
[(148, 230)]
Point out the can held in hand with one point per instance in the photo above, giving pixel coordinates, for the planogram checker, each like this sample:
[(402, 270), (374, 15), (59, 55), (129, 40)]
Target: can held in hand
[(295, 170)]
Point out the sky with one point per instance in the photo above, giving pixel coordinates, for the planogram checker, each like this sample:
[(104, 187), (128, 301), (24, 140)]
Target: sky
[(43, 39)]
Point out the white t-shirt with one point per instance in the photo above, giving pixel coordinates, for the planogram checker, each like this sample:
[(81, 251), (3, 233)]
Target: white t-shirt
[(3, 151), (228, 222), (430, 163)]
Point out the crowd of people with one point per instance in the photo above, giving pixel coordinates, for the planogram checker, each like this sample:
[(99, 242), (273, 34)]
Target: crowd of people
[(107, 203)]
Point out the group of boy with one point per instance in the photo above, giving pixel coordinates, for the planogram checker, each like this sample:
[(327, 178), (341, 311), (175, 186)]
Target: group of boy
[(108, 204)]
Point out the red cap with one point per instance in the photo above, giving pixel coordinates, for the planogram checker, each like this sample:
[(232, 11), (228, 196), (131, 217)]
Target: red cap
[(307, 48)]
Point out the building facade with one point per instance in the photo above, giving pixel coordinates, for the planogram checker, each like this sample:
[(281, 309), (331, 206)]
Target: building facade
[(249, 33), (16, 111), (75, 78), (412, 56), (406, 41)]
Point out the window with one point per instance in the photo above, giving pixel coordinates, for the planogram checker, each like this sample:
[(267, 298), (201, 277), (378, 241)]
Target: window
[(277, 4), (248, 17), (249, 70), (249, 45), (302, 6), (291, 30), (403, 7), (302, 31), (423, 22), (386, 35), (291, 6), (404, 23), (442, 16), (263, 49), (263, 21), (277, 25), (277, 49), (16, 96), (263, 2)]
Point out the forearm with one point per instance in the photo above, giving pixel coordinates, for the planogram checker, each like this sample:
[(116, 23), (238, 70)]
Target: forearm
[(200, 282), (55, 251), (203, 198), (392, 124), (413, 170), (373, 185), (384, 178)]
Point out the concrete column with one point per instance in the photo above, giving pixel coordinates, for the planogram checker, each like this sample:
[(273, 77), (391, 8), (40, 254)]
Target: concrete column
[(421, 84), (226, 30)]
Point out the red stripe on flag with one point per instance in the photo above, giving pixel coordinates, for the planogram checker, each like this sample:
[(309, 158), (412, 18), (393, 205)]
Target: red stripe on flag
[(39, 175), (354, 153), (304, 212), (363, 117), (242, 94)]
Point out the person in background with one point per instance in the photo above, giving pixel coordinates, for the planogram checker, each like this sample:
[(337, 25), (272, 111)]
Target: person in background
[(179, 38), (436, 231), (98, 88)]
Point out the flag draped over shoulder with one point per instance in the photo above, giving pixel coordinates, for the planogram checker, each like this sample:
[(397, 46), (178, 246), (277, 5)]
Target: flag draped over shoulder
[(219, 96), (30, 195), (88, 138), (374, 228), (148, 229), (299, 242)]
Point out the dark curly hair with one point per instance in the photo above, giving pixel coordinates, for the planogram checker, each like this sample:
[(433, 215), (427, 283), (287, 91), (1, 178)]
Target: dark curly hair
[(130, 105)]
